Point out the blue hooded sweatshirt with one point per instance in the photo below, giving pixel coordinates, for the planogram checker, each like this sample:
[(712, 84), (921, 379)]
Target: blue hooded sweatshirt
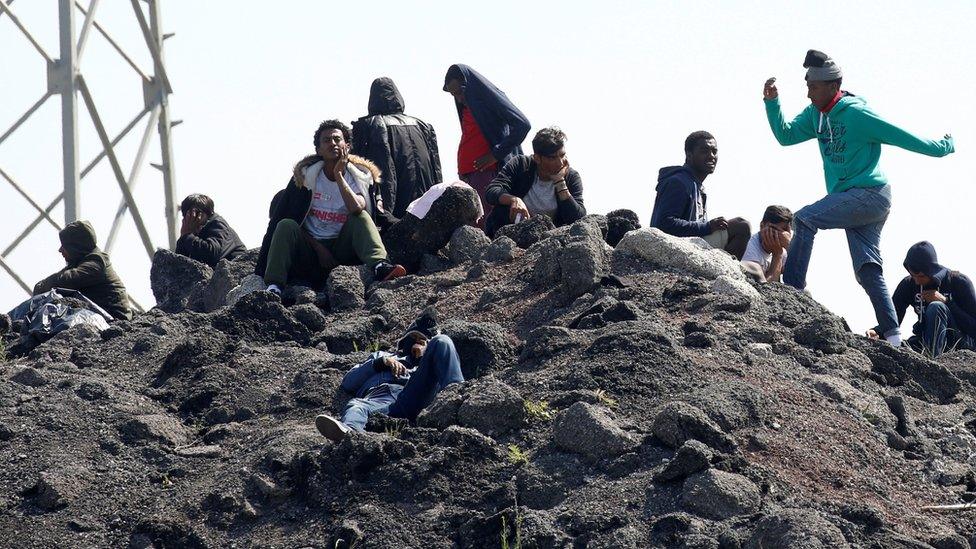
[(679, 208), (502, 124), (956, 287)]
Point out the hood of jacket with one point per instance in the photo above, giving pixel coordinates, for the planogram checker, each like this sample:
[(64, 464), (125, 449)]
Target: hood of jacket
[(307, 169), (385, 98), (670, 171), (921, 258), (78, 239)]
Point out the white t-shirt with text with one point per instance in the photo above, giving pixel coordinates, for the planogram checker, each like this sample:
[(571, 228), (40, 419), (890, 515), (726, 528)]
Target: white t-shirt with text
[(328, 213)]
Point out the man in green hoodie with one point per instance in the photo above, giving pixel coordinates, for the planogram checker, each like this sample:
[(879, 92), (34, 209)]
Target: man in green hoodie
[(88, 270), (858, 198)]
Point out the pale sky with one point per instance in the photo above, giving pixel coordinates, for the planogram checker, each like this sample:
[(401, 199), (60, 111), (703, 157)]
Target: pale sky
[(627, 81)]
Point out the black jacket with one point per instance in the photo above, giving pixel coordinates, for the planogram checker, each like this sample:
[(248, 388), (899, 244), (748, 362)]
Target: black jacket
[(403, 147), (216, 241), (676, 204), (955, 286), (89, 271), (516, 178), (295, 200)]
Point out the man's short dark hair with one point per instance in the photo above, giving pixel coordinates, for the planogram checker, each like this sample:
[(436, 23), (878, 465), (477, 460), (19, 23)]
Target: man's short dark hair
[(778, 214), (696, 137), (332, 125), (548, 141), (200, 202)]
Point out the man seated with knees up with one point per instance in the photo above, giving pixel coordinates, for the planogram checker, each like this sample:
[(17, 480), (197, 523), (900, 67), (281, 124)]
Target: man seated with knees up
[(322, 218), (679, 208), (541, 184), (766, 253), (399, 384), (88, 270), (944, 301), (205, 236)]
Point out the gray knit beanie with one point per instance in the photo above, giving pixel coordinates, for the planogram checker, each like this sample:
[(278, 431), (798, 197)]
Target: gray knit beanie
[(820, 67)]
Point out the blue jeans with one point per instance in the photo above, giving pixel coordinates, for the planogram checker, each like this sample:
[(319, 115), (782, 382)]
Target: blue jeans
[(939, 330), (439, 367), (862, 213)]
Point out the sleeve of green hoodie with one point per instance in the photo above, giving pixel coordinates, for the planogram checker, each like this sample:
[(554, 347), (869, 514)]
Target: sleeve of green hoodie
[(88, 272), (797, 131), (873, 128)]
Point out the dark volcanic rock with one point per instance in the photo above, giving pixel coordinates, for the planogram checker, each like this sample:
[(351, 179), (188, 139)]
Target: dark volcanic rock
[(260, 317), (588, 430), (177, 281), (718, 495), (467, 243), (501, 249), (527, 232), (921, 377), (408, 240), (678, 422), (345, 289), (796, 529), (482, 346), (693, 456), (826, 334), (619, 223), (227, 275)]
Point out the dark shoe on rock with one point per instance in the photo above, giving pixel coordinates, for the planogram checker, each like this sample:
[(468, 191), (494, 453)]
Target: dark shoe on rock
[(331, 428), (385, 270)]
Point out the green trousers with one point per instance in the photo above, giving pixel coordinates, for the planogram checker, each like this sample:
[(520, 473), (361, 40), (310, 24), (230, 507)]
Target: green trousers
[(290, 257)]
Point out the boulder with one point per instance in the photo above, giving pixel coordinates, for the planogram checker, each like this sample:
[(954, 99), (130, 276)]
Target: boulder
[(690, 255), (248, 285), (619, 223), (737, 287), (345, 289), (177, 281), (500, 250), (154, 427), (693, 456), (259, 317), (226, 276), (309, 315), (796, 529), (677, 422), (921, 377), (482, 346), (589, 430), (825, 333), (491, 407), (409, 239), (583, 262), (528, 232), (57, 488), (718, 495), (467, 243)]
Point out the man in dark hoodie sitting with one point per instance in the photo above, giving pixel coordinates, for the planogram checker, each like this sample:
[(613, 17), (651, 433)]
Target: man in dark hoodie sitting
[(205, 236), (399, 384), (492, 128), (322, 218), (403, 147), (679, 208), (88, 270), (541, 184), (944, 301)]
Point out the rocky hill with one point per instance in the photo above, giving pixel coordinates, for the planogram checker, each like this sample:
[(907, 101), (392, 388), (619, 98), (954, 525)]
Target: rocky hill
[(645, 395)]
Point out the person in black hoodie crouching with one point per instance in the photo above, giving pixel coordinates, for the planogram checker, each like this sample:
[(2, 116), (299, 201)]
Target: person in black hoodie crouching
[(204, 235), (944, 301)]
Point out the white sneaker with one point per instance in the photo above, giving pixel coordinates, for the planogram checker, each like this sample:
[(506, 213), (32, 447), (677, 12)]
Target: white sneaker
[(331, 428), (273, 288)]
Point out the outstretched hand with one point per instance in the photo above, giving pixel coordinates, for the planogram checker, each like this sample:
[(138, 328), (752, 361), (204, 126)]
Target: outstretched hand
[(769, 89)]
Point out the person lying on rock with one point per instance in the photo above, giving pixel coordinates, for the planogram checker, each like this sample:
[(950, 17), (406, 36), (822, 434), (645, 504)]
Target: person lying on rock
[(679, 207), (322, 218), (399, 384), (944, 301), (205, 236), (858, 198), (88, 270), (541, 184), (766, 252)]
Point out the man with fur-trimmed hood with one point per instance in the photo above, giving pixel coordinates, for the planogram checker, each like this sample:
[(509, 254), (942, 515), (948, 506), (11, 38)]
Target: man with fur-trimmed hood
[(88, 270), (322, 219)]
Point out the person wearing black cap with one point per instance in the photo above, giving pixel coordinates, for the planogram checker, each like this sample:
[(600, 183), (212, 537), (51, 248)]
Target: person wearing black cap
[(944, 301), (858, 199), (398, 384), (541, 184)]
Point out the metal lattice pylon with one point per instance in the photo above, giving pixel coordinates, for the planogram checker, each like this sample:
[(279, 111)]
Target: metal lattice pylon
[(64, 78)]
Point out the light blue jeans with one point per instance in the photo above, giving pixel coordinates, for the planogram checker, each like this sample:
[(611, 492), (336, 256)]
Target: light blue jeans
[(862, 213)]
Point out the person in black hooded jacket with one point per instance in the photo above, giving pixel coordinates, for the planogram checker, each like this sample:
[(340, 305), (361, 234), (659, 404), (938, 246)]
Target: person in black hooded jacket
[(403, 147), (944, 301), (204, 235)]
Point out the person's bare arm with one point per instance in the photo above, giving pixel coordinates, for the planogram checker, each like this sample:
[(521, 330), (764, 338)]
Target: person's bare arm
[(354, 202)]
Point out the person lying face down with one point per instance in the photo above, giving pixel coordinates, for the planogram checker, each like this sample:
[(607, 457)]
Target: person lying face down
[(944, 301), (541, 184), (88, 270), (679, 207), (765, 254), (399, 384), (204, 235)]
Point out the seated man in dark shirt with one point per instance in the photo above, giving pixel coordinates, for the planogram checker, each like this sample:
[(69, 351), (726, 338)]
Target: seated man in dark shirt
[(205, 236), (944, 301), (541, 184)]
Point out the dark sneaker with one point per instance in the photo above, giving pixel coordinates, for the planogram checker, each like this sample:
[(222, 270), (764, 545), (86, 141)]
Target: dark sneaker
[(331, 428), (385, 270)]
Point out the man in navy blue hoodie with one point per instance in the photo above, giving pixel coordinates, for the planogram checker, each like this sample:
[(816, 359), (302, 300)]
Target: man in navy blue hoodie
[(492, 128), (944, 301), (679, 208), (400, 384)]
